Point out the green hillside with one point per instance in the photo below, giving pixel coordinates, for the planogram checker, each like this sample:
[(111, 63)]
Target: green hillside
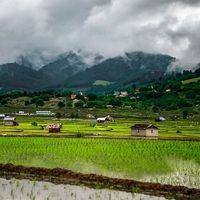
[(191, 80), (102, 83)]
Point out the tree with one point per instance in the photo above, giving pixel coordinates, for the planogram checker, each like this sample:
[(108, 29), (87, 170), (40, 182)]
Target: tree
[(39, 102), (69, 104), (4, 101), (45, 97), (155, 109), (92, 97), (34, 124), (26, 103), (61, 104), (34, 99), (185, 114), (80, 104), (115, 102), (58, 115), (74, 115)]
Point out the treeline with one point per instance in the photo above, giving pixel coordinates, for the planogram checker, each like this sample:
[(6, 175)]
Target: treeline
[(166, 94)]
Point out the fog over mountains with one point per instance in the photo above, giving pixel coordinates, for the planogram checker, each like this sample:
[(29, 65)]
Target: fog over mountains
[(39, 41), (81, 70), (109, 27)]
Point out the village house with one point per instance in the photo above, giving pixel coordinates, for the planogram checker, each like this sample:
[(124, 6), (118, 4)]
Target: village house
[(121, 94), (90, 116), (54, 128), (10, 121), (105, 119), (160, 119), (44, 113), (2, 116), (168, 90), (144, 130), (73, 96)]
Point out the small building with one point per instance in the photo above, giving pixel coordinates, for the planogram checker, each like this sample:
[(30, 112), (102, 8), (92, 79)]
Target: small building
[(105, 119), (90, 116), (144, 130), (45, 113), (160, 119), (168, 90), (121, 94), (2, 116), (73, 96), (10, 121), (54, 128), (109, 106)]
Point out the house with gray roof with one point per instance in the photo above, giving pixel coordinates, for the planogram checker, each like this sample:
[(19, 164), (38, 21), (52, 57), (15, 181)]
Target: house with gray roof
[(144, 130)]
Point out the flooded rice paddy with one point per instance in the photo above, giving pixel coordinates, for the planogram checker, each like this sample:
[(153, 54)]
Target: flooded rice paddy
[(35, 190)]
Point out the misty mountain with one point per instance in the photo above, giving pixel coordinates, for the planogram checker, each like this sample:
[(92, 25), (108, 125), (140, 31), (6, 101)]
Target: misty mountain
[(15, 76), (67, 65), (82, 70), (136, 67)]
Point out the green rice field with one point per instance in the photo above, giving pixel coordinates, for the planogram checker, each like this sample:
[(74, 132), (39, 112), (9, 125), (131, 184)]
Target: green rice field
[(119, 128), (173, 162)]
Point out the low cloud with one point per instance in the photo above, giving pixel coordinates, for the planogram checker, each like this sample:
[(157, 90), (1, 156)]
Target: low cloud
[(108, 27)]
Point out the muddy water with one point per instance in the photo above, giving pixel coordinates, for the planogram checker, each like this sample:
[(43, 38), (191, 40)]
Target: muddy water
[(35, 190)]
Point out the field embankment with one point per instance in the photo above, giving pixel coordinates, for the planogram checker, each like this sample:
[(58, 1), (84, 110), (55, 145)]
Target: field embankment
[(58, 175)]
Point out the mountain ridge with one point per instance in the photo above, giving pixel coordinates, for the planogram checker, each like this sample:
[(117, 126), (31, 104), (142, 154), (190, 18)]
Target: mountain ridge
[(79, 70)]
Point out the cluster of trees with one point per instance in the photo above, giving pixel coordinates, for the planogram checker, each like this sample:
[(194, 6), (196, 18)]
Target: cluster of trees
[(167, 94)]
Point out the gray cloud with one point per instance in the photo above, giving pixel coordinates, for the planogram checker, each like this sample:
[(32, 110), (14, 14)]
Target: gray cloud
[(109, 27)]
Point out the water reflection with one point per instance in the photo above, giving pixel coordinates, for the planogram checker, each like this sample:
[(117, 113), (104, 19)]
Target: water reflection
[(35, 190)]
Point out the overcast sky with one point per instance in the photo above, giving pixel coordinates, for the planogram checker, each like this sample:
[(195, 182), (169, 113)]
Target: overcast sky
[(109, 27)]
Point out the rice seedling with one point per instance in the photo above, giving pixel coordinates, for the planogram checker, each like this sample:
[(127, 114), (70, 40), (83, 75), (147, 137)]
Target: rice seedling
[(116, 158)]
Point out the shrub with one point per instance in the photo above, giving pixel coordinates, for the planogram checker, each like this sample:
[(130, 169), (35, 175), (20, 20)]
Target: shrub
[(61, 104), (34, 124), (185, 114), (39, 102), (58, 115)]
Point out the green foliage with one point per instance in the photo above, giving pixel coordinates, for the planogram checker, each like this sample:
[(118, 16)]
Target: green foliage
[(74, 115), (58, 115), (168, 93), (39, 102), (34, 99), (80, 135), (34, 124), (155, 109), (69, 104), (61, 104), (92, 97), (185, 114), (4, 101), (44, 97), (115, 102), (79, 104), (26, 103), (42, 127)]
